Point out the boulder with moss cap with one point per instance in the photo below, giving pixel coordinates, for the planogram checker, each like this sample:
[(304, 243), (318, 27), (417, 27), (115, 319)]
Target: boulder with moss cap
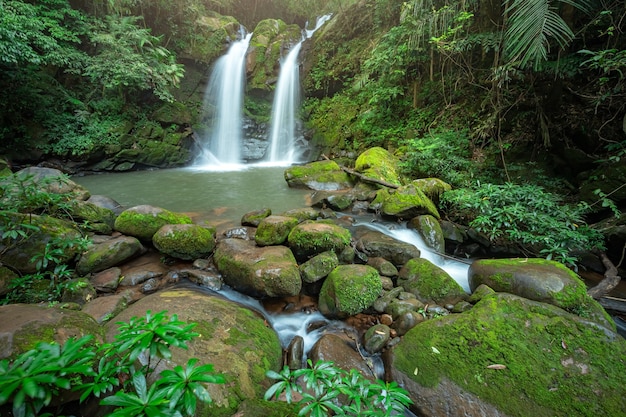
[(143, 221), (184, 241), (348, 290)]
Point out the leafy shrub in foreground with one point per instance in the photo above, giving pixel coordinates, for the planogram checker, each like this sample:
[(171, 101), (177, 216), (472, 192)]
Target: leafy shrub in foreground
[(35, 377), (327, 390)]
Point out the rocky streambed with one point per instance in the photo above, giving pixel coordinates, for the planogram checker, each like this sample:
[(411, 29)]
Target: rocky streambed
[(525, 339)]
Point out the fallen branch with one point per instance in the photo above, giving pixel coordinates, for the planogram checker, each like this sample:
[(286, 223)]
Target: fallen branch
[(364, 178), (610, 281)]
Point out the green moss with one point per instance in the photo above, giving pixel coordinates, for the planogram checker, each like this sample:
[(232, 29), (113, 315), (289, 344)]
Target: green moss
[(429, 282), (378, 163), (185, 241), (143, 225), (555, 365), (408, 201), (349, 289), (313, 237)]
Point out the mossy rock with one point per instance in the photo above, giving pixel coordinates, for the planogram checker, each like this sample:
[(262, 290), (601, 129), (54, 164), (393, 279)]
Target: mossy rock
[(302, 214), (430, 230), (143, 221), (310, 238), (270, 39), (154, 153), (108, 254), (405, 202), (6, 276), (540, 280), (172, 113), (22, 326), (379, 245), (432, 187), (5, 168), (184, 241), (515, 357), (319, 175), (348, 290), (47, 180), (94, 218), (234, 339), (253, 218), (429, 283), (79, 291), (319, 266), (19, 254), (270, 271), (379, 164), (273, 230), (212, 33)]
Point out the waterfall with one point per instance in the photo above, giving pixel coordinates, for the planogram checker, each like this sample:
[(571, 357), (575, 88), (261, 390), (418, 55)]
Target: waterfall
[(284, 122), (223, 101)]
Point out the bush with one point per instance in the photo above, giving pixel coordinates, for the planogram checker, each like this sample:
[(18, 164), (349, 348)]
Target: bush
[(94, 369), (329, 390), (524, 214)]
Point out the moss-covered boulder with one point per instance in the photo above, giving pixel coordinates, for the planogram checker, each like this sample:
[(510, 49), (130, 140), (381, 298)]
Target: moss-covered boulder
[(94, 218), (429, 283), (184, 241), (319, 266), (107, 254), (270, 39), (173, 112), (509, 356), (253, 218), (405, 202), (319, 175), (49, 180), (22, 326), (377, 163), (310, 238), (305, 213), (234, 339), (430, 230), (270, 271), (151, 153), (348, 290), (212, 33), (143, 221), (540, 280), (18, 253), (273, 230), (432, 187), (379, 245)]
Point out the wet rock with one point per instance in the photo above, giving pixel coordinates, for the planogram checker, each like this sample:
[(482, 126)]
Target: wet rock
[(302, 214), (319, 266), (269, 271), (405, 322), (106, 202), (144, 221), (341, 352), (375, 338), (295, 353), (377, 244), (253, 218), (429, 282), (109, 253), (206, 279), (406, 202), (503, 333), (348, 290), (540, 280), (237, 233), (103, 309), (430, 230), (138, 274), (273, 230), (107, 280), (184, 241), (319, 175), (310, 238), (383, 266)]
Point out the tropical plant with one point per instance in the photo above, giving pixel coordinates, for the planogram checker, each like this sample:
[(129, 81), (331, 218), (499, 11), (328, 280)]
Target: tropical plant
[(34, 378), (525, 215), (324, 389)]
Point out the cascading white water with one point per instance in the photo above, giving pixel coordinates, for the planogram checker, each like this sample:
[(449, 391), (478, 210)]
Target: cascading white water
[(283, 126), (224, 98)]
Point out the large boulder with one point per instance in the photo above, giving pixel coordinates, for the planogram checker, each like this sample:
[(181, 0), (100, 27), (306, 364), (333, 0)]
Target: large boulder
[(270, 271), (184, 241), (310, 238), (540, 280), (377, 163), (212, 33), (429, 283), (93, 217), (319, 175), (22, 326), (338, 350), (376, 244), (43, 230), (348, 290), (432, 187), (143, 221), (235, 340), (509, 356), (270, 38), (430, 230), (405, 202), (319, 266), (47, 180), (107, 254)]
